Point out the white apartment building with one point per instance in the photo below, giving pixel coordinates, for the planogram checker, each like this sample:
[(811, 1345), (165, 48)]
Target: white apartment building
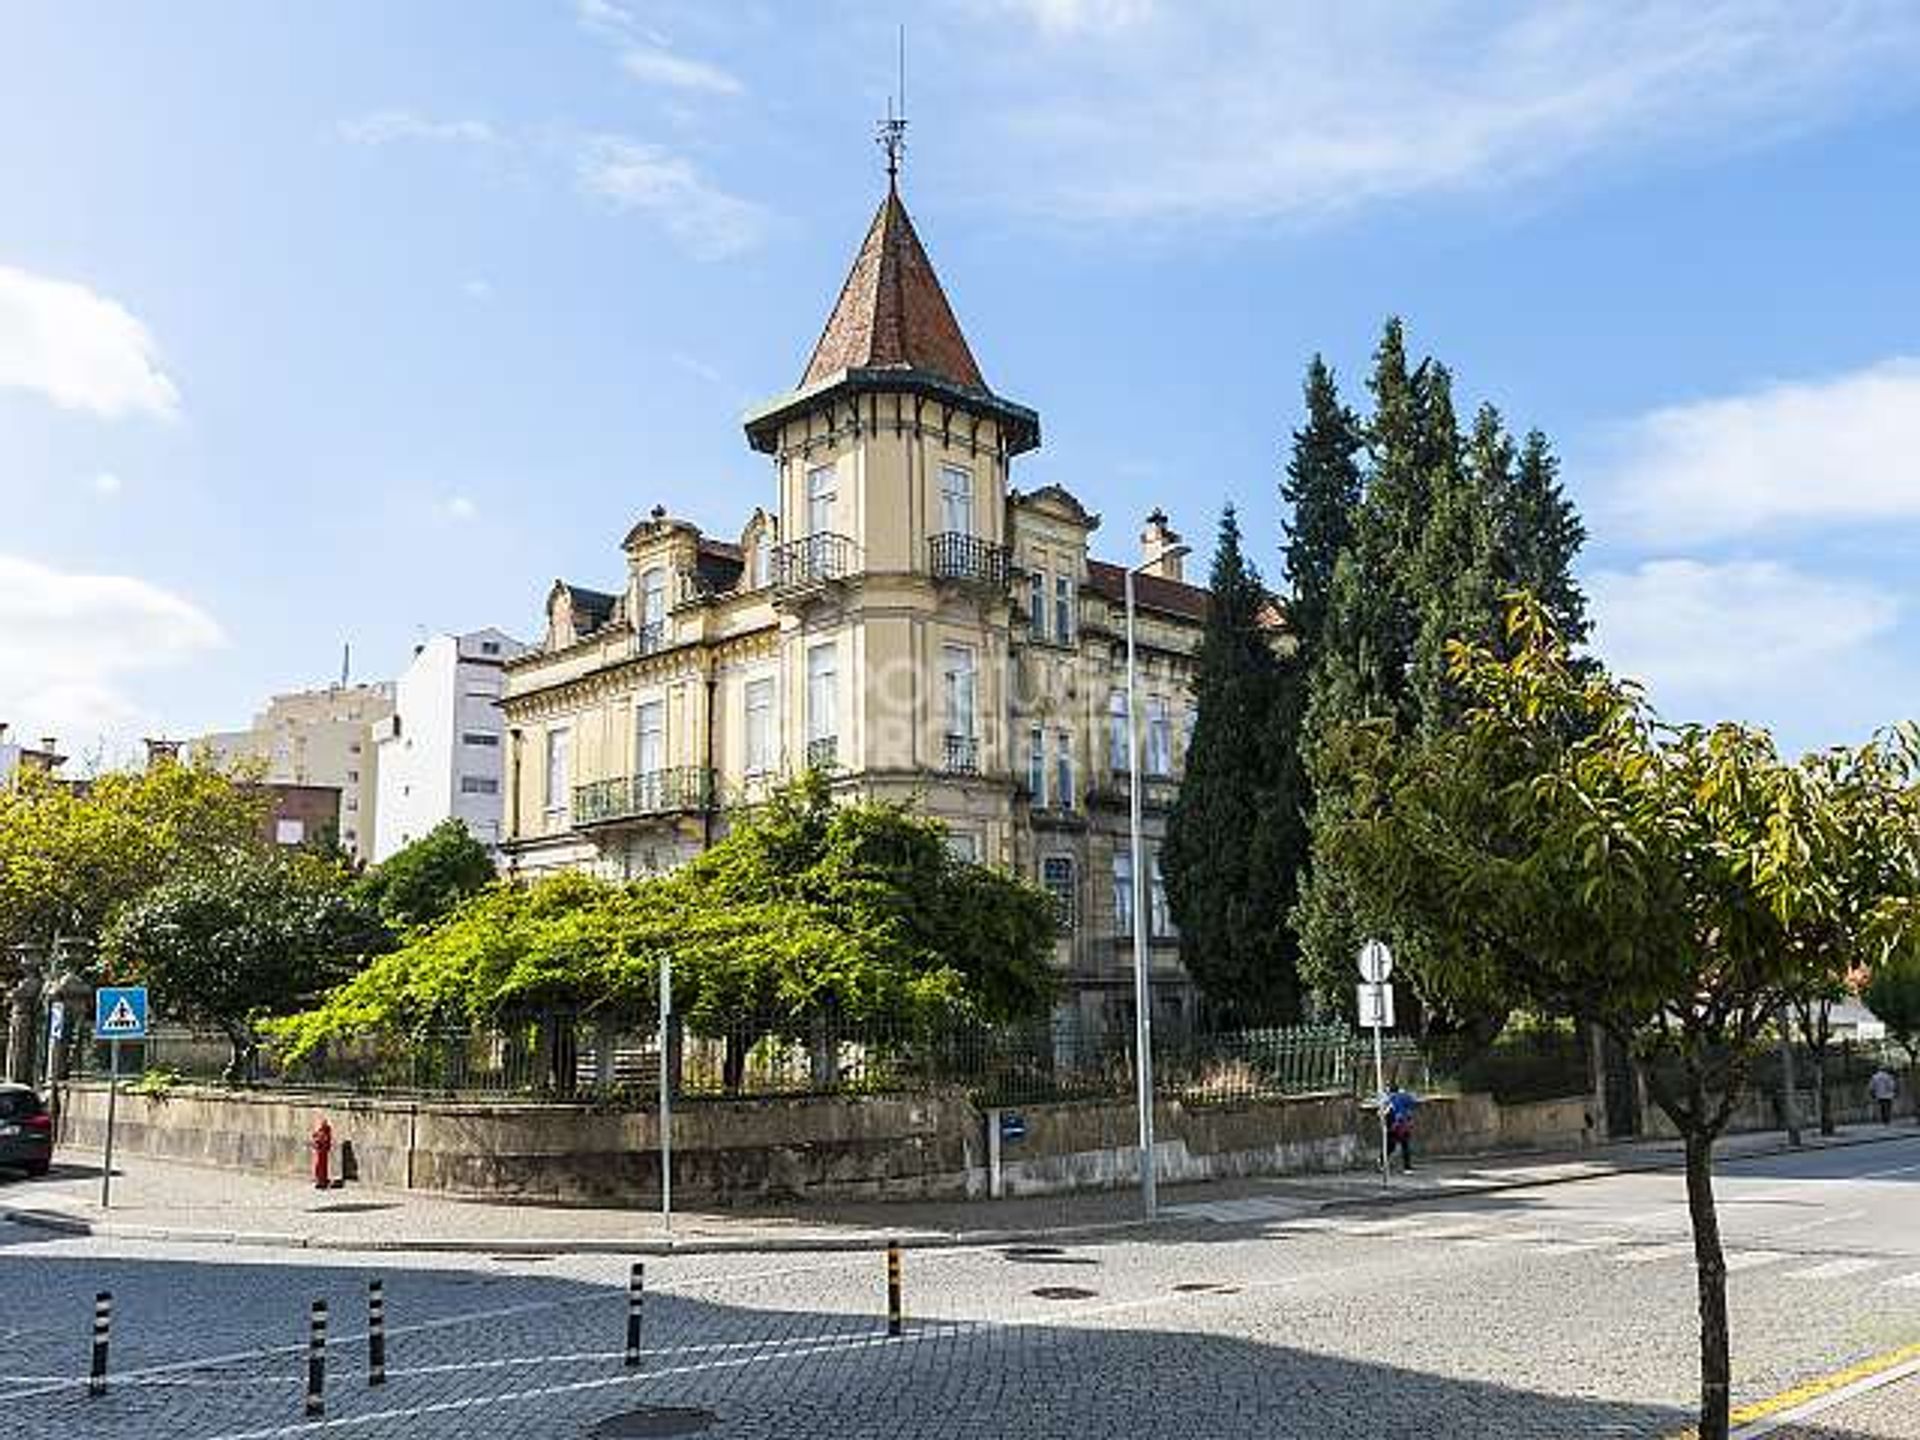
[(440, 750), (321, 738)]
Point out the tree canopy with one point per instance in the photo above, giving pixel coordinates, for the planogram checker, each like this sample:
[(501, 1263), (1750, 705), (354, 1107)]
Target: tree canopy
[(421, 882), (806, 909)]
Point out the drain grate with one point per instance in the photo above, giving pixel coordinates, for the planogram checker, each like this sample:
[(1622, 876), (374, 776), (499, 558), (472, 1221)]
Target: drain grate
[(1064, 1292), (652, 1420)]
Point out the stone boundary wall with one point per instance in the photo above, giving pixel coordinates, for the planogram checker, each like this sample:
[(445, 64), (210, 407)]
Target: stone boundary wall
[(838, 1148)]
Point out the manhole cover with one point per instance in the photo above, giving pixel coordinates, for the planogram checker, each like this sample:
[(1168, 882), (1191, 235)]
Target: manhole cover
[(651, 1421), (1064, 1292)]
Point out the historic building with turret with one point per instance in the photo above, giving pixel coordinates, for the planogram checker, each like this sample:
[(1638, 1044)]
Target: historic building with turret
[(899, 615)]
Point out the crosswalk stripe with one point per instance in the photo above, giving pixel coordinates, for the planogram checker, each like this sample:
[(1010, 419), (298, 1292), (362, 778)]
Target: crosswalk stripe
[(1652, 1254), (1905, 1282), (1834, 1269), (1754, 1259)]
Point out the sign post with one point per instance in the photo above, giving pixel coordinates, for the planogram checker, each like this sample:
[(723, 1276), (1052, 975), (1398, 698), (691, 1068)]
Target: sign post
[(119, 1013), (56, 1028), (1376, 1013)]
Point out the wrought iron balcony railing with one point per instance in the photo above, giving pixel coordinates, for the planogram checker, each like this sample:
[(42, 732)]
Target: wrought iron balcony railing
[(813, 560), (963, 755), (649, 637), (956, 555), (632, 797), (823, 752)]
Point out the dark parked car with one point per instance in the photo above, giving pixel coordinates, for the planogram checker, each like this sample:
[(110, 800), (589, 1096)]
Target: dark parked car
[(26, 1130)]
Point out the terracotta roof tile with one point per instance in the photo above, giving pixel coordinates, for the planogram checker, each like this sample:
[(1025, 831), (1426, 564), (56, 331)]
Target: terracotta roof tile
[(892, 313), (1150, 592)]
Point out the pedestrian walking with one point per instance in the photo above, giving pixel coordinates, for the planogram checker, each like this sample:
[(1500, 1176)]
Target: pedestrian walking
[(1397, 1107), (1881, 1089)]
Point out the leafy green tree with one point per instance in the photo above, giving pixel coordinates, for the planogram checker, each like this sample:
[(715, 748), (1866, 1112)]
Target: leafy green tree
[(236, 937), (1322, 491), (806, 914), (1893, 994), (1236, 839), (1561, 850), (1539, 536), (421, 882)]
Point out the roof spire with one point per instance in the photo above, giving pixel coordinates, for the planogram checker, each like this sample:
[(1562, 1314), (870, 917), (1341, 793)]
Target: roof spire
[(892, 131)]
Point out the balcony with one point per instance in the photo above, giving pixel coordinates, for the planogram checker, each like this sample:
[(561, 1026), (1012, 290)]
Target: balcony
[(962, 755), (956, 555), (823, 753), (812, 561), (687, 789), (649, 637)]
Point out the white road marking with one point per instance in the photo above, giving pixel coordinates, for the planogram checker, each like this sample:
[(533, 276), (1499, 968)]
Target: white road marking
[(1845, 1393), (1652, 1254), (1905, 1282), (1834, 1269), (1754, 1259)]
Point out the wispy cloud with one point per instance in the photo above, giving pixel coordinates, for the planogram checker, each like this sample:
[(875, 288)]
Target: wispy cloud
[(1839, 450), (695, 367), (69, 641), (107, 483), (1262, 109), (704, 220), (477, 289), (1755, 640), (654, 65), (460, 507), (79, 349), (386, 127)]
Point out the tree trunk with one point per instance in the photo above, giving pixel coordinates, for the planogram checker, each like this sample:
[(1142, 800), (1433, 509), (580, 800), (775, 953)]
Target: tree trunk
[(733, 1068), (1710, 1266), (824, 1051)]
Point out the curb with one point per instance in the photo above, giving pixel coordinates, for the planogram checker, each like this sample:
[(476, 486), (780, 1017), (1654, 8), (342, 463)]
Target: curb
[(64, 1223)]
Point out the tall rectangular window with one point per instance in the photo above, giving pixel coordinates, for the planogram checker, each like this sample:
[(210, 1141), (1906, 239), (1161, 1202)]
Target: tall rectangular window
[(1160, 915), (559, 764), (956, 664), (653, 608), (1063, 770), (956, 500), (1037, 605), (1056, 875), (650, 738), (1123, 892), (1118, 740), (1159, 738), (820, 496), (760, 726), (1037, 765), (823, 682), (1062, 610)]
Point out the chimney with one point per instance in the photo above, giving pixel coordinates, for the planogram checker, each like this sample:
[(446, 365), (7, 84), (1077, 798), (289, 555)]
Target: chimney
[(1155, 541), (3, 732), (49, 744)]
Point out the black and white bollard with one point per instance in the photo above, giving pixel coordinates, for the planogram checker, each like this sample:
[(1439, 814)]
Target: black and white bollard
[(317, 1360), (102, 1326), (376, 1333), (636, 1299), (896, 1315)]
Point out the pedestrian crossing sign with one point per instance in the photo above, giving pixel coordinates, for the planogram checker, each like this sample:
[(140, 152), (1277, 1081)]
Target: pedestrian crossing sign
[(120, 1012)]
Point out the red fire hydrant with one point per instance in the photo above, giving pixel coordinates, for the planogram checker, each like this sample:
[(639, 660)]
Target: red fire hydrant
[(322, 1142)]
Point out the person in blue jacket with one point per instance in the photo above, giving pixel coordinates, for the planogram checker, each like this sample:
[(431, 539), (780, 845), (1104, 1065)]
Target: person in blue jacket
[(1398, 1107)]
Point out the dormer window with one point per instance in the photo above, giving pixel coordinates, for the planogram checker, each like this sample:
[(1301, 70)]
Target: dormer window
[(653, 609)]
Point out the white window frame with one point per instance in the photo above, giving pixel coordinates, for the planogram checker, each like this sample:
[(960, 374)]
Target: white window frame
[(559, 758), (1063, 791), (1119, 740), (1037, 604), (823, 491), (956, 499), (649, 724), (823, 691), (759, 731), (961, 681), (1068, 895), (1123, 891), (1159, 737), (1063, 610), (1159, 912)]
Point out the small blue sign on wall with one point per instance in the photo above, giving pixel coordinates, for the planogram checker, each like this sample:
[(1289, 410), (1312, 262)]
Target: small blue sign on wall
[(120, 1012), (1013, 1127)]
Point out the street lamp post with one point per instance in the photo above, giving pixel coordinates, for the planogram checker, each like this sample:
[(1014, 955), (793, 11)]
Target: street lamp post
[(1142, 985)]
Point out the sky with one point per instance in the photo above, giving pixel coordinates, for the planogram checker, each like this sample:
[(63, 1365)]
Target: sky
[(344, 324)]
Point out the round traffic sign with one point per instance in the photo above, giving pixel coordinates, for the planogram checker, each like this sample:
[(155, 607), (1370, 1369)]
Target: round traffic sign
[(1376, 962)]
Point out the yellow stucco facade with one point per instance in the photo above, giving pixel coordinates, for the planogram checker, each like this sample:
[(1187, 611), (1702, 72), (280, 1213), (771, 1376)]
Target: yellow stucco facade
[(900, 616)]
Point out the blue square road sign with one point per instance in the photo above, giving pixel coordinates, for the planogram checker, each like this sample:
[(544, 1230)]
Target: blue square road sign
[(120, 1012)]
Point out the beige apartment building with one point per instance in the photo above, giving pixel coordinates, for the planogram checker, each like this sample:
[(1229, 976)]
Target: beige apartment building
[(316, 739), (899, 615)]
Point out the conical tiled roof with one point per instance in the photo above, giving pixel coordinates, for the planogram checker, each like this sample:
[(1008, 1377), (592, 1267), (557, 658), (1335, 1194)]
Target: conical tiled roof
[(892, 313)]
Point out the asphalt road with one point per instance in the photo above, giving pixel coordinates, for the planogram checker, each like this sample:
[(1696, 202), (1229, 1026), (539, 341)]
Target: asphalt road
[(1558, 1311)]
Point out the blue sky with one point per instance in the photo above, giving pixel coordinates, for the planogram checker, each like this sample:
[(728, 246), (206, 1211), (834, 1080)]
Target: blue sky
[(343, 323)]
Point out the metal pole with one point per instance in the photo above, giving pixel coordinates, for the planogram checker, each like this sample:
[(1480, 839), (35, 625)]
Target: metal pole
[(1789, 1100), (376, 1333), (666, 1092), (1142, 986), (113, 1102), (896, 1309), (317, 1359), (636, 1302), (102, 1330), (1380, 1091)]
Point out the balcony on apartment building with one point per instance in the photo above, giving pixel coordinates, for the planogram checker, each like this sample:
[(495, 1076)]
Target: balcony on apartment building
[(685, 789), (823, 752), (812, 561), (967, 559), (962, 755)]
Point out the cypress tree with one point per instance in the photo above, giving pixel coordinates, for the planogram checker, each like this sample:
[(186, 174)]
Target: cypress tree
[(1236, 836), (1540, 538), (1322, 486)]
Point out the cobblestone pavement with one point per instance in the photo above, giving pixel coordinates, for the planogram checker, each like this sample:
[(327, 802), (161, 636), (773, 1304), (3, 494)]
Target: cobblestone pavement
[(1558, 1312)]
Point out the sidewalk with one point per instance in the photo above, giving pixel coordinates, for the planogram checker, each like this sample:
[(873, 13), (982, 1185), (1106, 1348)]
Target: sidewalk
[(166, 1200)]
